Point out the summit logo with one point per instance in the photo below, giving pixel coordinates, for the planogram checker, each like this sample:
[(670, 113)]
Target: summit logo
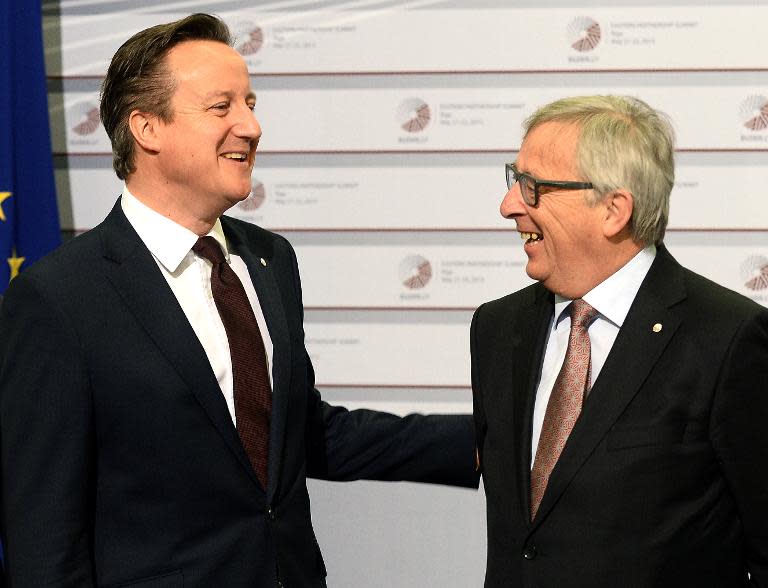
[(584, 34), (249, 38), (753, 112), (754, 272), (85, 117)]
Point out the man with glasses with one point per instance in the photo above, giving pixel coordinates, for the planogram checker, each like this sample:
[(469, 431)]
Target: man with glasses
[(620, 402)]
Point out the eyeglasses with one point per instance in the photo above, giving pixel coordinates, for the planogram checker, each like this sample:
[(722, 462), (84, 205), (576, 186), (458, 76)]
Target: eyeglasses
[(530, 187)]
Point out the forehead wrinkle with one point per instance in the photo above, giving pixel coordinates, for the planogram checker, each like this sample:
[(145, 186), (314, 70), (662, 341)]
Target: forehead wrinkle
[(191, 60), (548, 151), (250, 95), (192, 88)]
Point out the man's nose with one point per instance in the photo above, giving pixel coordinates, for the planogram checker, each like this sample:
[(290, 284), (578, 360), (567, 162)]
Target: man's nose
[(248, 125), (512, 204)]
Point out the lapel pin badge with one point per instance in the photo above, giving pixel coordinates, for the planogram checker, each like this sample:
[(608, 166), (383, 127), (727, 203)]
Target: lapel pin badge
[(263, 261), (656, 328)]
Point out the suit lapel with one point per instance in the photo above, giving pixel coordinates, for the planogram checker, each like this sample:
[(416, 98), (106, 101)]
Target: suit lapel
[(527, 350), (140, 283), (634, 353), (253, 251)]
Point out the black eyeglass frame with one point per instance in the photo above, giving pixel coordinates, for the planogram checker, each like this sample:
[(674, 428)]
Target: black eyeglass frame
[(514, 176)]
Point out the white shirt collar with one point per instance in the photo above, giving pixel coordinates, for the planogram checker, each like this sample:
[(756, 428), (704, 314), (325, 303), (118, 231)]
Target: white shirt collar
[(167, 240), (613, 297)]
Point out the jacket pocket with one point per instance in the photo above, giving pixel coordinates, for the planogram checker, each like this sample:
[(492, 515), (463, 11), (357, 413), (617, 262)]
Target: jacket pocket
[(169, 580), (626, 437)]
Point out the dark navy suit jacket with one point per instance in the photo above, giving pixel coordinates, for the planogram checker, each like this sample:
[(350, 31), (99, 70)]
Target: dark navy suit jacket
[(662, 482), (120, 462)]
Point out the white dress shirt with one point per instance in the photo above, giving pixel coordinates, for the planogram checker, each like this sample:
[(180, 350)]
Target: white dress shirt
[(189, 277), (612, 299)]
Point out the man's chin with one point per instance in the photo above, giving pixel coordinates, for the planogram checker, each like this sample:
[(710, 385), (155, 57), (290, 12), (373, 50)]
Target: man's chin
[(540, 274), (237, 196), (534, 272)]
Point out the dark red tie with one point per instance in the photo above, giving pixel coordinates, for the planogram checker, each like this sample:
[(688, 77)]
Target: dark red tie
[(250, 380), (565, 402)]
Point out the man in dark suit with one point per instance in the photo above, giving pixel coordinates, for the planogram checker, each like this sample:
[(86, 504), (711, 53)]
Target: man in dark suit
[(620, 402), (158, 411)]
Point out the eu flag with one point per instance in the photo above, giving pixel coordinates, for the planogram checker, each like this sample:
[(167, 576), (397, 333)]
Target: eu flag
[(29, 220)]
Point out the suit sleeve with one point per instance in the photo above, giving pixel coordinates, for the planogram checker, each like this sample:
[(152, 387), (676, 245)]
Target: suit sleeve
[(738, 429), (45, 444), (345, 445)]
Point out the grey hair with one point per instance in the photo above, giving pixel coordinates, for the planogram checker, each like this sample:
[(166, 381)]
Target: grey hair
[(623, 144)]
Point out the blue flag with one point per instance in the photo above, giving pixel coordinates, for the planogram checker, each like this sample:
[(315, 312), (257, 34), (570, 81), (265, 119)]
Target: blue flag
[(29, 219)]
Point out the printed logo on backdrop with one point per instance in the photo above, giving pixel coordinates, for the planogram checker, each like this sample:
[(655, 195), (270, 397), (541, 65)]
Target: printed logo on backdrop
[(249, 39), (754, 273), (584, 34), (413, 115), (84, 121), (753, 114), (415, 272)]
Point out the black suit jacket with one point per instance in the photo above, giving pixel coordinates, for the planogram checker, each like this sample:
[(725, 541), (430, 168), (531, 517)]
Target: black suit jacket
[(121, 465), (662, 482)]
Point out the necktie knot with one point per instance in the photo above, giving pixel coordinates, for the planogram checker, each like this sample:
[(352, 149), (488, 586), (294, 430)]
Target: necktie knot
[(208, 248), (582, 314)]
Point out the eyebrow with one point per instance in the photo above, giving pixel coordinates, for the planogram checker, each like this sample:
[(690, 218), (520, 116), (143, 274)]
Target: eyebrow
[(526, 172), (517, 167)]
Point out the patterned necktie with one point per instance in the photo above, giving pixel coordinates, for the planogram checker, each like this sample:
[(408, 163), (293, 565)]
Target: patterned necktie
[(250, 380), (565, 402)]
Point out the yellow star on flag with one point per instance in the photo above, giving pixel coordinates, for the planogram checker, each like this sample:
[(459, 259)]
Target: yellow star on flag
[(3, 196), (15, 264)]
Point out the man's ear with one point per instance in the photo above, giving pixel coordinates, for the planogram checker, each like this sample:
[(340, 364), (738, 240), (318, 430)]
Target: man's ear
[(144, 128), (619, 205)]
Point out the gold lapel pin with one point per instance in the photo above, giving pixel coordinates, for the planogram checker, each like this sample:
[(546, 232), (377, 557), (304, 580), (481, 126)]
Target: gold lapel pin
[(263, 261), (656, 328)]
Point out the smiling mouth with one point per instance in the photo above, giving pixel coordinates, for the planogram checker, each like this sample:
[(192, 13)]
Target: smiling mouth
[(236, 156), (531, 237)]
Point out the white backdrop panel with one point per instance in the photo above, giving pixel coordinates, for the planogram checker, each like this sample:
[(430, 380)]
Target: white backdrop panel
[(465, 276), (426, 276), (436, 197), (423, 197), (487, 118), (397, 40), (438, 354), (719, 196), (447, 119), (387, 354)]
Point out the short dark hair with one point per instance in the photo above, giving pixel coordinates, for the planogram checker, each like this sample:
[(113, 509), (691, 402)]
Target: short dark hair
[(138, 79)]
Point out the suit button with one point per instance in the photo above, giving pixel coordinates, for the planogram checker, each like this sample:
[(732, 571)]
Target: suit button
[(529, 552), (271, 513)]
